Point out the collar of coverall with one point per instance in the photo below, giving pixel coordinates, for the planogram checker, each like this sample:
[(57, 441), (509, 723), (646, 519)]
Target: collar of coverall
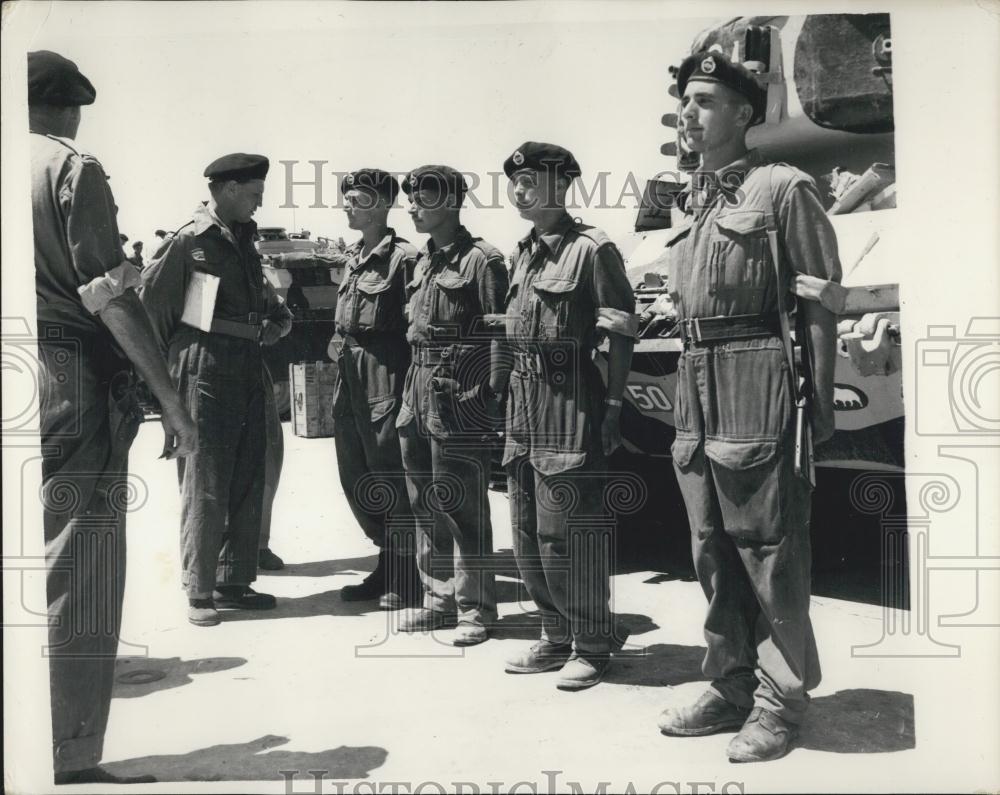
[(204, 219), (454, 249), (380, 251), (552, 239), (731, 176)]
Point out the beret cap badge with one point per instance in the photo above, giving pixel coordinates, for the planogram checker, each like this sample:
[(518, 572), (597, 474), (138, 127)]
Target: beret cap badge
[(708, 66), (349, 179), (518, 158)]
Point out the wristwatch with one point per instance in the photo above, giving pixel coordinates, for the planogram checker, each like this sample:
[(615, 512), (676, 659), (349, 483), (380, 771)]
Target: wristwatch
[(613, 402)]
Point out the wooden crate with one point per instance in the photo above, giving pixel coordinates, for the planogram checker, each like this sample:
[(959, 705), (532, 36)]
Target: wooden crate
[(312, 398)]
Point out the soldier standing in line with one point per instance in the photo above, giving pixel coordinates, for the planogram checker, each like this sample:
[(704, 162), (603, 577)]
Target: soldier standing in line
[(372, 354), (568, 287), (447, 421), (212, 310), (736, 414), (92, 331)]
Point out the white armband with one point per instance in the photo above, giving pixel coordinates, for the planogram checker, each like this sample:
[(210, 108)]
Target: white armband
[(100, 291)]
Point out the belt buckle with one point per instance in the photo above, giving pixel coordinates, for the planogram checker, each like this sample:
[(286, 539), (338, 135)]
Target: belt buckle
[(696, 324)]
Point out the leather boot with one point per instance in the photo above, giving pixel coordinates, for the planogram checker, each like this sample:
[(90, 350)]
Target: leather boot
[(372, 586), (764, 736), (403, 587), (708, 715)]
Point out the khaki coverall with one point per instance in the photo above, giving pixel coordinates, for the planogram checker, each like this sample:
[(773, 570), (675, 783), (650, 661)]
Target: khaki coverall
[(733, 455), (444, 426), (372, 355), (566, 288)]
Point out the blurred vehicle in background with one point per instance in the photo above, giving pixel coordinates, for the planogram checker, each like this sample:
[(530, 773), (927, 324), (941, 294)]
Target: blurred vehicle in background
[(306, 273)]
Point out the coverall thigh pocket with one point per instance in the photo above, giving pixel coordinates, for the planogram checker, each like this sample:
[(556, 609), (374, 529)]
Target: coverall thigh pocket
[(745, 439), (750, 499)]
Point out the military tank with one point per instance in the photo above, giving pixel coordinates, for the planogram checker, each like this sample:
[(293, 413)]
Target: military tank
[(830, 113), (306, 273)]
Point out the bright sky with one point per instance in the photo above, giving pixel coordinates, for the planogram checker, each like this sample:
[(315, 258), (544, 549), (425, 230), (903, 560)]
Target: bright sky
[(366, 84)]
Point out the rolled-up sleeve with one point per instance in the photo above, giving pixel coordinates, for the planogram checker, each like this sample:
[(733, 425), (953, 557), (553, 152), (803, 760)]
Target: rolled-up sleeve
[(91, 221), (809, 238), (613, 296), (493, 283), (277, 310), (101, 290), (164, 283)]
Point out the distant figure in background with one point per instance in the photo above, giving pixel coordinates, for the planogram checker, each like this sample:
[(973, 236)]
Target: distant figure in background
[(136, 258), (124, 240), (274, 456), (161, 238)]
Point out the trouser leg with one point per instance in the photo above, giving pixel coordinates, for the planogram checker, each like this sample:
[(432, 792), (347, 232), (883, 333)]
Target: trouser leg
[(370, 461), (787, 658), (730, 658), (575, 536), (84, 492), (521, 481), (273, 459), (434, 543), (205, 478), (463, 472), (237, 562)]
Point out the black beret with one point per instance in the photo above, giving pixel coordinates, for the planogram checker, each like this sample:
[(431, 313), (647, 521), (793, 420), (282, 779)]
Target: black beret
[(54, 80), (717, 68), (239, 166), (371, 180), (443, 179), (542, 157)]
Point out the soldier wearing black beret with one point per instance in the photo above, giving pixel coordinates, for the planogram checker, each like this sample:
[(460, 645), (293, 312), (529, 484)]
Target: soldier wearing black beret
[(445, 425), (440, 181), (372, 353), (212, 310), (567, 289), (714, 67), (370, 186), (92, 332), (748, 504), (542, 157)]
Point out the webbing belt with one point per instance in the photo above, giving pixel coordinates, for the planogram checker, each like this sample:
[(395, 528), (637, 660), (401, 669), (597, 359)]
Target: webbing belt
[(727, 328)]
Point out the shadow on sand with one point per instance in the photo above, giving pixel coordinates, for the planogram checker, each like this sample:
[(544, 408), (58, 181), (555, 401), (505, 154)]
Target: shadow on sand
[(255, 761), (140, 676), (860, 721)]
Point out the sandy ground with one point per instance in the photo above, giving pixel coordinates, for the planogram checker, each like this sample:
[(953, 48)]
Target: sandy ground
[(323, 685)]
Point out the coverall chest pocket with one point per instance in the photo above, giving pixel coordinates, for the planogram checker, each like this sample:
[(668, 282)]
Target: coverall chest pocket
[(373, 300), (553, 302), (451, 303), (739, 258)]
